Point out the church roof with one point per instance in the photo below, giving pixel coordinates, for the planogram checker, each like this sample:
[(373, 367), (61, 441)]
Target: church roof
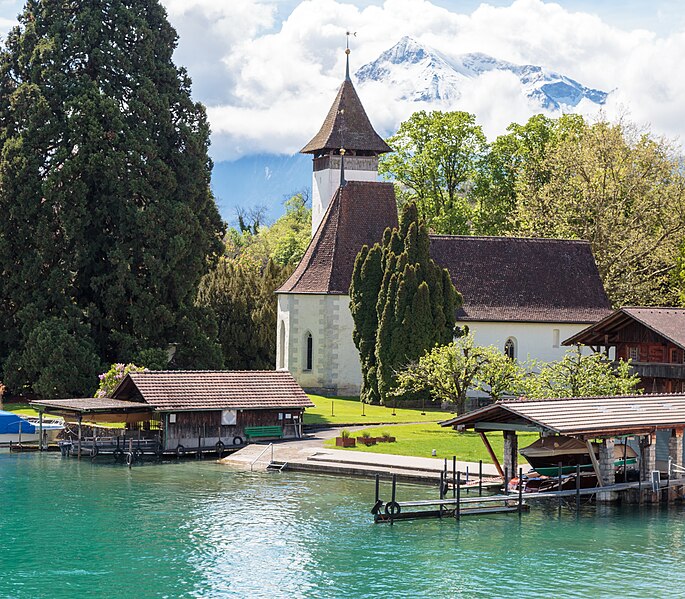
[(523, 279), (358, 215), (500, 278), (347, 126)]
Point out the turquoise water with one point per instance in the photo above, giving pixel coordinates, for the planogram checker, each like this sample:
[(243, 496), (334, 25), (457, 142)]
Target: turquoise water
[(70, 529)]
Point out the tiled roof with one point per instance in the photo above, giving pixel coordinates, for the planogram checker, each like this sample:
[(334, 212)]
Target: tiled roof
[(347, 126), (584, 415), (358, 215), (182, 390), (523, 279), (667, 322)]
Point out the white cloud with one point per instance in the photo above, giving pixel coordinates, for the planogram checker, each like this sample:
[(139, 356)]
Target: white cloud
[(268, 85), (5, 26)]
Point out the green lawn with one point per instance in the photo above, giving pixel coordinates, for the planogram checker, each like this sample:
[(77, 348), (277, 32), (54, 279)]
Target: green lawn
[(420, 439), (19, 408), (348, 410)]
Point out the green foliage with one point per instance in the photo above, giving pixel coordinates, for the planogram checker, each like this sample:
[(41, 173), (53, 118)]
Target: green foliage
[(435, 159), (153, 358), (58, 360), (108, 216), (414, 302), (578, 375), (110, 380), (240, 294), (284, 242), (679, 274)]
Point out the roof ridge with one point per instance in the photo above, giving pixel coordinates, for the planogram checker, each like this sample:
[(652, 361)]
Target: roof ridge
[(522, 400), (508, 238)]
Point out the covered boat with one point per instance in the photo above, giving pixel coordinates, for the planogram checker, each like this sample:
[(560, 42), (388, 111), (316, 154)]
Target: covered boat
[(545, 455), (15, 429)]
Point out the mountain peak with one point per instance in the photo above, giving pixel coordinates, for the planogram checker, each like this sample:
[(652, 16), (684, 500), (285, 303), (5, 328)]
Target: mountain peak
[(417, 72)]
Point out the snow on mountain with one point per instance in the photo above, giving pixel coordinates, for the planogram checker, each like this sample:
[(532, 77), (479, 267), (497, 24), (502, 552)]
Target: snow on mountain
[(419, 73)]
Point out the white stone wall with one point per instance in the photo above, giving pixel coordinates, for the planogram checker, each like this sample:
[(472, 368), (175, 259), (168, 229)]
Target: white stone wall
[(335, 367), (539, 341), (324, 184)]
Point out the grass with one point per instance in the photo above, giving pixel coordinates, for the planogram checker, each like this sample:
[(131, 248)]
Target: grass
[(348, 410), (19, 408), (420, 439)]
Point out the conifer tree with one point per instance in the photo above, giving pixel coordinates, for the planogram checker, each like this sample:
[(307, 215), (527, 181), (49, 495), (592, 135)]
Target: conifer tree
[(402, 304), (108, 218)]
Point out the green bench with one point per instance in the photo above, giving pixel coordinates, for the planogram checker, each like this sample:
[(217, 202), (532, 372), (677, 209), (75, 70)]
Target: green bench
[(253, 432)]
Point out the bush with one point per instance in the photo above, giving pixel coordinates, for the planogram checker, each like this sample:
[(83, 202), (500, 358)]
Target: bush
[(345, 434)]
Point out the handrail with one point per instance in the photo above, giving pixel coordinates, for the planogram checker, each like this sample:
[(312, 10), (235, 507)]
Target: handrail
[(269, 446)]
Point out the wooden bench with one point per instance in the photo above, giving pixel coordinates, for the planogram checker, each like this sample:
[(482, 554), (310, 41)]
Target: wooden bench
[(253, 432)]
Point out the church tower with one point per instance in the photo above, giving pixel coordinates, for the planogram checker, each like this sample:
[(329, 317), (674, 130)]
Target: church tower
[(345, 130)]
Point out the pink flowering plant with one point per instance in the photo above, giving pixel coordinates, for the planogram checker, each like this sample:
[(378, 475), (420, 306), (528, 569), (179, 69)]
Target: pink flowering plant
[(110, 379)]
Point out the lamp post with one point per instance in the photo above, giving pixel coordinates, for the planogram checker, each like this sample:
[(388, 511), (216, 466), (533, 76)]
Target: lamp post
[(332, 407), (363, 406), (423, 405)]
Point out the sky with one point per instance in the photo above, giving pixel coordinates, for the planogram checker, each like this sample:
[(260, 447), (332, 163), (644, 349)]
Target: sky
[(268, 70)]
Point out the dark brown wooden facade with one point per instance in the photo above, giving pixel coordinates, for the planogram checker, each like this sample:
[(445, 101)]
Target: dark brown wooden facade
[(649, 338)]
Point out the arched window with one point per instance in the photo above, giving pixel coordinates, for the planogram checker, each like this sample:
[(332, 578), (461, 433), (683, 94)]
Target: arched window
[(510, 349), (309, 352), (281, 346)]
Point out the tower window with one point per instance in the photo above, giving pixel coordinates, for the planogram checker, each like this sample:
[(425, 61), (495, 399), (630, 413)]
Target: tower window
[(309, 356), (555, 337), (510, 349)]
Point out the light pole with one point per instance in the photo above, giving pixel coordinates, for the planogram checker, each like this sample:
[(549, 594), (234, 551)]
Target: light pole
[(332, 407)]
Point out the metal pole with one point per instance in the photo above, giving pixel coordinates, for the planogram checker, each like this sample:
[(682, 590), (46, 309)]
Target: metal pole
[(506, 481), (442, 489), (480, 478), (378, 488), (454, 476), (559, 487), (394, 495), (80, 434), (520, 490), (577, 488), (457, 509)]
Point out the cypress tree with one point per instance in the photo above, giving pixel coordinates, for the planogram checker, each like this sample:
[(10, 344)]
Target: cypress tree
[(402, 304), (108, 218)]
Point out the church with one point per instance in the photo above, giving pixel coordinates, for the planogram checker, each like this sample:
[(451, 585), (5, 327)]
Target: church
[(522, 295)]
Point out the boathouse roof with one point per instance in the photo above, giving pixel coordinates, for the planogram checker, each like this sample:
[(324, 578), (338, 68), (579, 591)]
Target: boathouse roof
[(669, 323), (588, 417), (189, 390)]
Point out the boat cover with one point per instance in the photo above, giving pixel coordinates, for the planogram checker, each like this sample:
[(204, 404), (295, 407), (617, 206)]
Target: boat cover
[(9, 423), (560, 445)]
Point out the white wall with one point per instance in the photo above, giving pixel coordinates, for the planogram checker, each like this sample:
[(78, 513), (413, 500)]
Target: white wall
[(335, 367), (532, 340)]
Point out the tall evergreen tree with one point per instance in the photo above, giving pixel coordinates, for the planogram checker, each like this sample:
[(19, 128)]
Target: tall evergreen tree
[(402, 304), (108, 218)]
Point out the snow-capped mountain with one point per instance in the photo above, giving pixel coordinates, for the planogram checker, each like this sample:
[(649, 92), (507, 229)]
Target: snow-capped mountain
[(417, 72)]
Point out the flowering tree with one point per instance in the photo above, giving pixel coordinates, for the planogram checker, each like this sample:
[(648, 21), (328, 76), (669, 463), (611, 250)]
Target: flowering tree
[(110, 379)]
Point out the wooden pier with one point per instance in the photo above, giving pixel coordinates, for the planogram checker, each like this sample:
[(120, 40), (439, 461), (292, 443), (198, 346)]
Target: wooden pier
[(461, 505)]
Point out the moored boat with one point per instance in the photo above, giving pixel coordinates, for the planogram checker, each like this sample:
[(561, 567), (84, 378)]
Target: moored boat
[(25, 429)]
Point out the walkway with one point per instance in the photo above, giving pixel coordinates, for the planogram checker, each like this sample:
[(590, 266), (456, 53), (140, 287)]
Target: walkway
[(309, 454)]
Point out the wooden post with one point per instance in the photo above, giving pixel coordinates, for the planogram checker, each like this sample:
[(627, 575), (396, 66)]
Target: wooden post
[(559, 487), (40, 430), (491, 452), (520, 490), (394, 495), (80, 434), (595, 463), (577, 488), (506, 481), (378, 487)]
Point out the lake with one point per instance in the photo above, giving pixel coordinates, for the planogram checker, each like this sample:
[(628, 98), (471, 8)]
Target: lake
[(199, 529)]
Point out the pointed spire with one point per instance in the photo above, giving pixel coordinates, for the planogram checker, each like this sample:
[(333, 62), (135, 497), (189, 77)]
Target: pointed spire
[(347, 58)]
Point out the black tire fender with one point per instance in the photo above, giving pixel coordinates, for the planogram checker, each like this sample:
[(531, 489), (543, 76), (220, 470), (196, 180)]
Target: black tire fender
[(130, 458), (220, 446), (392, 508), (237, 440), (180, 450)]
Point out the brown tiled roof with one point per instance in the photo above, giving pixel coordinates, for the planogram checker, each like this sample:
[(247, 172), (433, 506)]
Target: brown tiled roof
[(358, 215), (183, 390), (522, 279), (667, 322), (609, 415), (347, 126)]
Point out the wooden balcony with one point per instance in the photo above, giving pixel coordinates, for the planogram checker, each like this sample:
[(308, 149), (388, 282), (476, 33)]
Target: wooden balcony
[(659, 370)]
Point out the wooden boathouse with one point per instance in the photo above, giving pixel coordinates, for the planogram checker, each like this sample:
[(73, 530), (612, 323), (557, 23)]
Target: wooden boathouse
[(179, 412), (653, 339), (635, 419)]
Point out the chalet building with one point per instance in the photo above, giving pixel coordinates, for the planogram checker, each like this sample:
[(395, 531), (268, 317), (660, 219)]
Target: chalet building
[(183, 411), (521, 295), (652, 338)]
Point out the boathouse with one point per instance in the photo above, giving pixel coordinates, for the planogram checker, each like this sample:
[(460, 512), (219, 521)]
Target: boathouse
[(653, 339), (191, 411), (636, 419)]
